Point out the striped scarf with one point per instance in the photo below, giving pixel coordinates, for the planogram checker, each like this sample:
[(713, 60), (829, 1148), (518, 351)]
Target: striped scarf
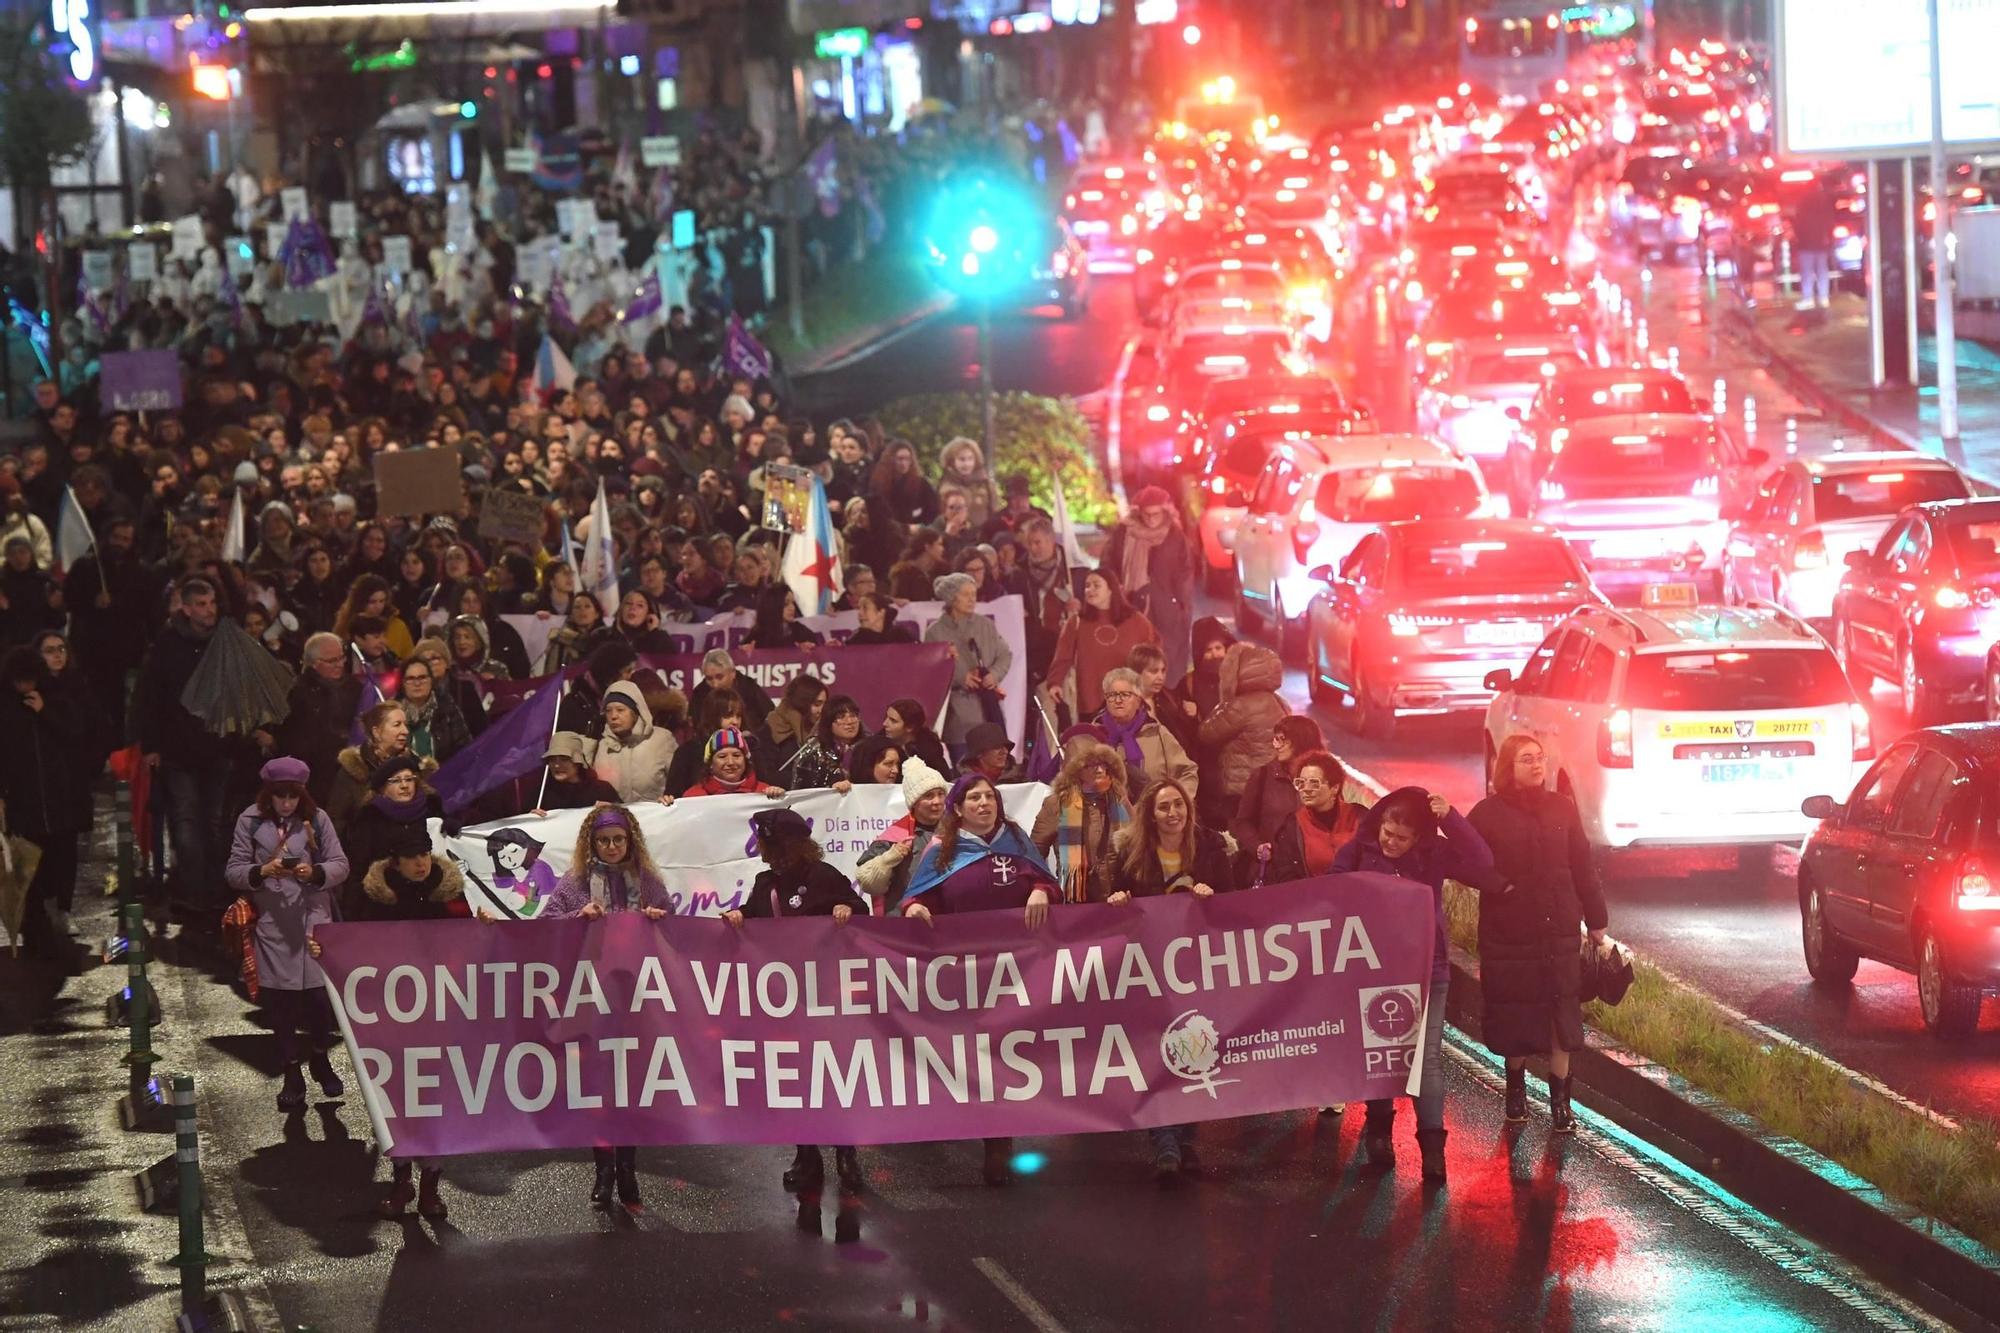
[(1084, 831)]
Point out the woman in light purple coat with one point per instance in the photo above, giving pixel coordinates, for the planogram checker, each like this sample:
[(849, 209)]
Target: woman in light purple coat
[(286, 859)]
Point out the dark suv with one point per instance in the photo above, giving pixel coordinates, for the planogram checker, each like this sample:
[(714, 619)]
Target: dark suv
[(1904, 872)]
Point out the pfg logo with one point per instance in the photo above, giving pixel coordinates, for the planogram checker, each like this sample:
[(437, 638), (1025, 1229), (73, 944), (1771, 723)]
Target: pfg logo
[(1392, 1019)]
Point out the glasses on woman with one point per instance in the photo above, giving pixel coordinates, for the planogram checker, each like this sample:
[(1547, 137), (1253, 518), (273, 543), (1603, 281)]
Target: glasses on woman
[(1122, 694), (55, 650), (1307, 784)]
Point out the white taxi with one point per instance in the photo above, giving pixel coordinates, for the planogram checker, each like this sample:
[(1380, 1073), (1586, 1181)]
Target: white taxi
[(1678, 723)]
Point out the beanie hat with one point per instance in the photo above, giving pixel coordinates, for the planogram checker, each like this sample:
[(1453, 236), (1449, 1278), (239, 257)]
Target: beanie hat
[(245, 474), (389, 768), (729, 738), (919, 780), (945, 586), (408, 840)]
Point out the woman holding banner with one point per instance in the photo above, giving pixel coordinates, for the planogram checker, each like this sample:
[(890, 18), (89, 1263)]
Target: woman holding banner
[(611, 871), (885, 867), (822, 760), (1165, 851), (800, 883), (633, 753), (981, 861), (1085, 810), (729, 769)]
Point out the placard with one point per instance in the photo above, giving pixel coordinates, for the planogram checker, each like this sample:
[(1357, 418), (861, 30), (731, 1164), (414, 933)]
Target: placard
[(582, 217), (343, 219), (660, 150), (239, 255), (189, 238), (274, 238), (521, 161), (298, 306), (684, 235), (535, 263), (787, 497), (292, 202), (396, 255), (606, 241), (418, 482), (97, 270), (142, 261), (511, 516), (146, 381)]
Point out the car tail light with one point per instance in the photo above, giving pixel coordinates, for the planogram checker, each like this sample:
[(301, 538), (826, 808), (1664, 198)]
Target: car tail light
[(1217, 485), (1841, 233), (1614, 739), (1974, 889), (1810, 552), (1158, 412), (1709, 485), (1862, 728), (1413, 291), (1553, 490), (1949, 598)]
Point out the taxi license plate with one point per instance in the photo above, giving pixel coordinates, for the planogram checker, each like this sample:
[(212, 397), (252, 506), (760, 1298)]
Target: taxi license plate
[(1505, 632), (1746, 770)]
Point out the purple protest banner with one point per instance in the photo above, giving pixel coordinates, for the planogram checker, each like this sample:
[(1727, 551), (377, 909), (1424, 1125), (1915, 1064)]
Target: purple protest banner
[(146, 381), (473, 1037)]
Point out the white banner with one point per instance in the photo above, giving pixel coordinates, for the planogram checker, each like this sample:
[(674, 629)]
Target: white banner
[(703, 846), (730, 630)]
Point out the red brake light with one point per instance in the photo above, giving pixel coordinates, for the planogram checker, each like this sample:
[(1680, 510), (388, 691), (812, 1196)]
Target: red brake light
[(1949, 598), (1614, 739), (1974, 890), (1303, 538)]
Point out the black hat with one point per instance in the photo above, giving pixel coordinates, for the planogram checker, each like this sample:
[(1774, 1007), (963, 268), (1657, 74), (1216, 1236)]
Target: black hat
[(389, 768), (780, 824), (986, 736), (409, 840)]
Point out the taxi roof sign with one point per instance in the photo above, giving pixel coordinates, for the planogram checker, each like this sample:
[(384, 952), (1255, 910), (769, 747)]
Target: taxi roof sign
[(1655, 595)]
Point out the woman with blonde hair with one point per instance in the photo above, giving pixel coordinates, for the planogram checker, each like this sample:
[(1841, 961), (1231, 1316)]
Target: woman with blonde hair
[(1087, 807), (610, 871)]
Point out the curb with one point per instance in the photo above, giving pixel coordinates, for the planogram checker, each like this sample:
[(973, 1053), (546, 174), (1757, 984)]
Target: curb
[(1948, 1273), (869, 339), (1803, 383)]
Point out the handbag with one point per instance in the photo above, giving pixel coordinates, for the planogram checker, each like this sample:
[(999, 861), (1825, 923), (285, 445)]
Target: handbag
[(1605, 971)]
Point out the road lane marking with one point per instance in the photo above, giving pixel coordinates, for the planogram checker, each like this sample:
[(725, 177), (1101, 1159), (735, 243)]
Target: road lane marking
[(1793, 1255), (1037, 1314)]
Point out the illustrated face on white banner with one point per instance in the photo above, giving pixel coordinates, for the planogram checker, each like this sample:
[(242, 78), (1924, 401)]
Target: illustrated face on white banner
[(704, 846)]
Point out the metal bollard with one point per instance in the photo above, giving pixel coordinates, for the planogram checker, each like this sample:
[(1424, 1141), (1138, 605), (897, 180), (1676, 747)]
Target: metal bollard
[(140, 1108), (193, 1260), (1791, 435), (128, 858)]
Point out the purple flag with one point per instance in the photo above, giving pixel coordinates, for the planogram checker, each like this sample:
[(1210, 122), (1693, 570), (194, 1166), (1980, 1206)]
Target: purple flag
[(1105, 1019), (742, 354), (559, 313), (89, 306), (646, 301), (306, 253), (230, 296), (508, 749)]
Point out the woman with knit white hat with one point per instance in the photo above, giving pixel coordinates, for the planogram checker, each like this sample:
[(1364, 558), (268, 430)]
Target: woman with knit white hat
[(884, 870)]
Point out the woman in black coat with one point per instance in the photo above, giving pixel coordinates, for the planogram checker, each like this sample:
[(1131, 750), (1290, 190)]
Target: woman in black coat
[(47, 763), (1529, 946)]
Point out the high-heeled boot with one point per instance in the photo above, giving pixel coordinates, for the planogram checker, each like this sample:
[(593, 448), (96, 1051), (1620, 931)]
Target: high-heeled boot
[(1562, 1120), (600, 1192), (1517, 1094), (628, 1179), (397, 1202), (807, 1171), (848, 1167)]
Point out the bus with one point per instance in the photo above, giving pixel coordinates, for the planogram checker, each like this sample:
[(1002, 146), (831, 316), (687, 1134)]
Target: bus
[(1520, 49)]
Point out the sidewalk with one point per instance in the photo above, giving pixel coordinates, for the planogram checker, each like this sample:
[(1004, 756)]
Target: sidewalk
[(1826, 355)]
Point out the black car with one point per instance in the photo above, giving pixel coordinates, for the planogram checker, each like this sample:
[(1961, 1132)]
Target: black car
[(1903, 872), (1921, 609)]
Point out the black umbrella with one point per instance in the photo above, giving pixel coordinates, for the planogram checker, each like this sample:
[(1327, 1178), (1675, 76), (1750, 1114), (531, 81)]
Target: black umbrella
[(238, 685)]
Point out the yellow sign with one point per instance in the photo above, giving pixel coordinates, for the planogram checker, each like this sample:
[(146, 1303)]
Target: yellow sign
[(1742, 729)]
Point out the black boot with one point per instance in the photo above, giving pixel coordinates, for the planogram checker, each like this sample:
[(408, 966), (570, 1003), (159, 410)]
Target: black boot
[(429, 1202), (1517, 1094), (292, 1092), (1378, 1149), (848, 1167), (807, 1171), (1430, 1142), (628, 1180), (600, 1193), (998, 1166), (322, 1072), (397, 1202), (1562, 1120)]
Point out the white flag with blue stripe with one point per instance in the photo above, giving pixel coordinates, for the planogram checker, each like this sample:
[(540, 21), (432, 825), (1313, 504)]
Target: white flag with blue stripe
[(599, 574), (812, 559)]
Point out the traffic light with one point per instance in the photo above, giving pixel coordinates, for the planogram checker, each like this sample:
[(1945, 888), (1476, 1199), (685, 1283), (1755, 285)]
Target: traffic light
[(983, 236)]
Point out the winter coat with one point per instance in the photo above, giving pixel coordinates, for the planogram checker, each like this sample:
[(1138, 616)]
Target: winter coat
[(319, 718), (1268, 802), (165, 727), (369, 834), (350, 790), (637, 765), (1211, 864), (109, 640), (979, 647), (884, 869), (1160, 756), (579, 885), (288, 909), (47, 764), (815, 766), (1529, 935), (976, 485), (1452, 850), (1094, 647), (27, 612), (814, 889), (1288, 847), (1236, 738), (387, 896), (440, 731)]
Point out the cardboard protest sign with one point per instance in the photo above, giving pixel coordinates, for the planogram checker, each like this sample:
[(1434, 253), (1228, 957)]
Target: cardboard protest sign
[(418, 482), (511, 516)]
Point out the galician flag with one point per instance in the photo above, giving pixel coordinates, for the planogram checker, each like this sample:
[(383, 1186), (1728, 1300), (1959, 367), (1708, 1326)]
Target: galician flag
[(74, 539), (553, 372), (812, 560), (599, 573)]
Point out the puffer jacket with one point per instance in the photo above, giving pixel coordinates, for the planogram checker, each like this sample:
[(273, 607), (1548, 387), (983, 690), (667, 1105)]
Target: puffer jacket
[(1236, 738), (637, 765), (1447, 849), (1528, 936)]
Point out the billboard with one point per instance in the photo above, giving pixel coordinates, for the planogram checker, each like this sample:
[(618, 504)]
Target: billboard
[(1854, 81)]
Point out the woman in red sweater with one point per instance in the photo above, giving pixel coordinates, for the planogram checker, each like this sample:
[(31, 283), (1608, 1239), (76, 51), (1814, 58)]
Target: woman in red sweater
[(1099, 635)]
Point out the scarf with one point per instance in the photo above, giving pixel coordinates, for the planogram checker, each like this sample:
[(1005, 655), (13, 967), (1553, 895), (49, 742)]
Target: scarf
[(1085, 825), (1321, 836), (1140, 543), (982, 873), (1043, 577), (1125, 736), (403, 812), (611, 888), (715, 786)]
